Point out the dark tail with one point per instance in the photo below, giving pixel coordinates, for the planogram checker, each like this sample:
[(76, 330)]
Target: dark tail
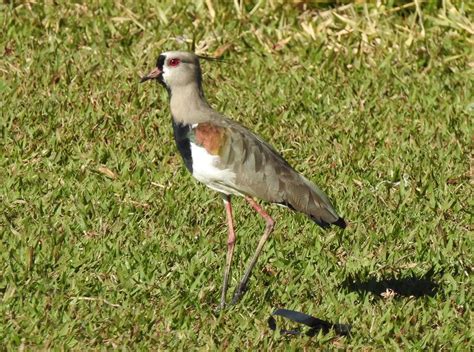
[(339, 222)]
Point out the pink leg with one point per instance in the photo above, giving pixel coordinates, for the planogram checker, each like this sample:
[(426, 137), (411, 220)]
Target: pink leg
[(230, 248), (268, 230), (260, 210)]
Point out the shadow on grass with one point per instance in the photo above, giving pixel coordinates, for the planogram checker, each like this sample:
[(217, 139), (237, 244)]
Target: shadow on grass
[(316, 325), (411, 286)]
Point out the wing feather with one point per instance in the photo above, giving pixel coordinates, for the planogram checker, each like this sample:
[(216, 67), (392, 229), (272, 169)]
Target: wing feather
[(263, 173)]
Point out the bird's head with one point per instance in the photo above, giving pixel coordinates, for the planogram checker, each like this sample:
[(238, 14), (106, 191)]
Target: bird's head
[(176, 68)]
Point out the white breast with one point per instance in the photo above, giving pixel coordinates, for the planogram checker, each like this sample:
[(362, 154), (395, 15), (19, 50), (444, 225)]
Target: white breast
[(207, 169)]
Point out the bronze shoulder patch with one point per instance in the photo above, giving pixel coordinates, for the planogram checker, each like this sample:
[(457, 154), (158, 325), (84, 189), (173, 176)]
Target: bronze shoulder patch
[(210, 137)]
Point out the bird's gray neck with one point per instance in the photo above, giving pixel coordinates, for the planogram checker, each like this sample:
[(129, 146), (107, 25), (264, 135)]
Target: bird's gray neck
[(188, 104)]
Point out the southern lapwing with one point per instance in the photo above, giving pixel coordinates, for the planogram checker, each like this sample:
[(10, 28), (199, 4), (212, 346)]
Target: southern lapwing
[(231, 160)]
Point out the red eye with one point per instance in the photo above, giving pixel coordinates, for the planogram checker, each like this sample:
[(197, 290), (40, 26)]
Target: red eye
[(174, 62)]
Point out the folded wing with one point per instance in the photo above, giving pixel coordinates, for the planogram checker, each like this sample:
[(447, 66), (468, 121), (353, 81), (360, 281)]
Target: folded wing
[(261, 172)]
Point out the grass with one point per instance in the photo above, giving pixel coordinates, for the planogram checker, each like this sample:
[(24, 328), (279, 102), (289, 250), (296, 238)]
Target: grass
[(106, 240)]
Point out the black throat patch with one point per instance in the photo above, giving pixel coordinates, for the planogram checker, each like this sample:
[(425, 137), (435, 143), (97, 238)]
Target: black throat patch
[(181, 136)]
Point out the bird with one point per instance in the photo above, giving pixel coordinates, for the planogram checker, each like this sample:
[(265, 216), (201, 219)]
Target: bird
[(230, 159)]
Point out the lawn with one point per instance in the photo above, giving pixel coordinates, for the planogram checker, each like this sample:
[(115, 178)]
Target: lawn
[(107, 241)]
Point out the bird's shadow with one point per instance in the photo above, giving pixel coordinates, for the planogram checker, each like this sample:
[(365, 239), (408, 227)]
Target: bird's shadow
[(404, 285), (411, 285)]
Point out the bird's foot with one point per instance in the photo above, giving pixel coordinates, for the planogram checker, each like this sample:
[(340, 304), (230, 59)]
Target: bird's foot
[(221, 306), (239, 293)]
